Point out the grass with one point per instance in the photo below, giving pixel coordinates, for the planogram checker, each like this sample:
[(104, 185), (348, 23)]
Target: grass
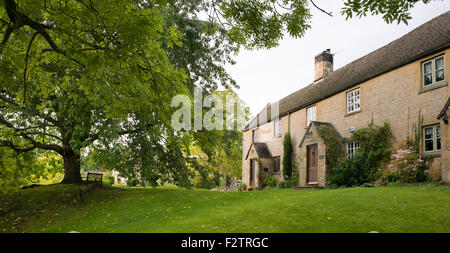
[(64, 208)]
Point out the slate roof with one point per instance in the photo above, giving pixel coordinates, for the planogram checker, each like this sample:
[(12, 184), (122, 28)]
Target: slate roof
[(261, 150), (426, 39)]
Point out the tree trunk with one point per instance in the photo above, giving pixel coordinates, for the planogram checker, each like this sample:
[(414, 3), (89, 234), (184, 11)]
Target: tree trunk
[(72, 167)]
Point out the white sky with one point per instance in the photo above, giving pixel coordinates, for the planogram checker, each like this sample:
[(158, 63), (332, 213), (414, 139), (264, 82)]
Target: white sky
[(268, 75)]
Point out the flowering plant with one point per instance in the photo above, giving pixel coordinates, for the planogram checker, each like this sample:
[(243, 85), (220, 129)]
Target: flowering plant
[(405, 166)]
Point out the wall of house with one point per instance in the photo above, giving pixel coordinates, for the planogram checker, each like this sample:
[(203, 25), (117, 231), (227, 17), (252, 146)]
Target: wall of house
[(395, 97), (445, 161)]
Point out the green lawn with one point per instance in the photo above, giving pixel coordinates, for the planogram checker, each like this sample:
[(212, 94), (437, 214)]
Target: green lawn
[(59, 208)]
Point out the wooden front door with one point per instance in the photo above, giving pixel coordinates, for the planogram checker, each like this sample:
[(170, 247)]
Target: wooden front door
[(311, 163), (252, 172)]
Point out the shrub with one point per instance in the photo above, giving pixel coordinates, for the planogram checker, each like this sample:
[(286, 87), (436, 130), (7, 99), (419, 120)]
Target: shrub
[(406, 166), (375, 147), (287, 156), (132, 182), (242, 186), (351, 171), (269, 182), (289, 183), (109, 180)]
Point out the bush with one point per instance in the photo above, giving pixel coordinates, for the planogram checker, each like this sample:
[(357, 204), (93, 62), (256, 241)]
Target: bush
[(375, 147), (351, 171), (132, 182), (109, 180), (289, 183), (242, 186), (405, 166), (269, 182)]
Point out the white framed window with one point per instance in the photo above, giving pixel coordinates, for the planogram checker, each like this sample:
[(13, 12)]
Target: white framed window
[(432, 138), (352, 147), (277, 128), (353, 104), (255, 135), (433, 71), (310, 115)]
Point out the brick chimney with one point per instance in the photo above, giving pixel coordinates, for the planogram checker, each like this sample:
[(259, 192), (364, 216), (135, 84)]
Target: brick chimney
[(323, 64)]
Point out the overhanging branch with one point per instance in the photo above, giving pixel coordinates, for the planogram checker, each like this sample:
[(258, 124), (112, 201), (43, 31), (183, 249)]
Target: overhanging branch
[(35, 143)]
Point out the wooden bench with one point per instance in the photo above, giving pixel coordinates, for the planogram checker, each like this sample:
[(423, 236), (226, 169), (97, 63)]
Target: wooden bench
[(95, 178)]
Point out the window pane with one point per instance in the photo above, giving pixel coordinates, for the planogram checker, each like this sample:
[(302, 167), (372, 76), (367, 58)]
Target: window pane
[(276, 164), (428, 133), (427, 67), (429, 145), (439, 75), (428, 79), (439, 63), (310, 115)]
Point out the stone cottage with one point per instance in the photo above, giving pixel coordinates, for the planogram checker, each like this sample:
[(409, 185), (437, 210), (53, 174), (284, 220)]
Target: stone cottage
[(392, 84)]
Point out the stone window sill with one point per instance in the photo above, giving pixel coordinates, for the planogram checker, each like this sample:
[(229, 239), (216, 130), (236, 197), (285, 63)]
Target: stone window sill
[(434, 86), (432, 154), (351, 113)]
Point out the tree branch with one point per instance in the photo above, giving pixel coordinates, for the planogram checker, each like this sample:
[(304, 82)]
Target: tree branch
[(26, 67), (322, 10), (16, 148), (36, 144)]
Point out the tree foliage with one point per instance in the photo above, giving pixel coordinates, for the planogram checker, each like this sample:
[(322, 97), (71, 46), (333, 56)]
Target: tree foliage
[(392, 10)]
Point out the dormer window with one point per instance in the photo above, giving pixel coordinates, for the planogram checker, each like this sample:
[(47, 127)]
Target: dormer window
[(433, 71)]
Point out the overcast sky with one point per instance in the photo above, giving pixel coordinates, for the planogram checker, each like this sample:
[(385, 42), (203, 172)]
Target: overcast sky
[(268, 75)]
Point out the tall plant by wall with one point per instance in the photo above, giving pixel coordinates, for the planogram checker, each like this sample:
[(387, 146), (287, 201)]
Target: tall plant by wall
[(414, 137), (287, 156)]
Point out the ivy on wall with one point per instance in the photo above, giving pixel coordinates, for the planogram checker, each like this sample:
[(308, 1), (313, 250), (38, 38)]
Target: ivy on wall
[(334, 143)]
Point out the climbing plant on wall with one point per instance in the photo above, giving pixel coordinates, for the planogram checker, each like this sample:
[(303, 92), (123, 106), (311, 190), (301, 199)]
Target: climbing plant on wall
[(334, 144)]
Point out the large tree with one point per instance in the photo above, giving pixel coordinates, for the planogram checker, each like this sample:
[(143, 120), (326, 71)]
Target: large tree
[(101, 74)]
